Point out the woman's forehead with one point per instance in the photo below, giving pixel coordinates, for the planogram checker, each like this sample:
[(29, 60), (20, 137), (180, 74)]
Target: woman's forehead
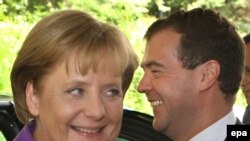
[(105, 64)]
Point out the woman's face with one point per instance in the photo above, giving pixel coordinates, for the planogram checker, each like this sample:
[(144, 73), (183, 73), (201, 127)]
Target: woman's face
[(73, 107)]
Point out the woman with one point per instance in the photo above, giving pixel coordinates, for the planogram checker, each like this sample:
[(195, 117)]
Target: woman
[(70, 77)]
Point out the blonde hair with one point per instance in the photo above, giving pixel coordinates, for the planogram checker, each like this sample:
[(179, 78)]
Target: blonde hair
[(65, 34)]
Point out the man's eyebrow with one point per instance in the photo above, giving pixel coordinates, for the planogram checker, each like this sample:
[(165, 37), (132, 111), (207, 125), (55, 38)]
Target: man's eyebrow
[(149, 64)]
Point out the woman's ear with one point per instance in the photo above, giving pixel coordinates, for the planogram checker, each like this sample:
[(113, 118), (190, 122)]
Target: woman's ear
[(210, 73), (31, 99)]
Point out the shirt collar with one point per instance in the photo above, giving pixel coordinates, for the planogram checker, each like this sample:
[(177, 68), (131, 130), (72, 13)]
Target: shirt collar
[(216, 131)]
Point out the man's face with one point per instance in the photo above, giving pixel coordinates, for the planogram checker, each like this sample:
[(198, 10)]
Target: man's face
[(246, 77), (171, 89)]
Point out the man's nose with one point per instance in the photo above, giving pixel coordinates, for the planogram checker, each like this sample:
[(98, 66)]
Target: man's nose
[(144, 84)]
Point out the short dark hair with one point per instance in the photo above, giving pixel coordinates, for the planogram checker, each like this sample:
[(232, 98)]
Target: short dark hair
[(206, 35)]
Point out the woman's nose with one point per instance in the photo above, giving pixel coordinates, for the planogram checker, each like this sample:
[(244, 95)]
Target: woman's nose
[(95, 108)]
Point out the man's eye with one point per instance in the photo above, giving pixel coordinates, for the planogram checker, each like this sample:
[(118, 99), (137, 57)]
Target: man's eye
[(114, 92), (155, 71)]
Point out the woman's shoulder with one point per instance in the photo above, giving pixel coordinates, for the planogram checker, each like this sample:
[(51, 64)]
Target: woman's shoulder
[(26, 134)]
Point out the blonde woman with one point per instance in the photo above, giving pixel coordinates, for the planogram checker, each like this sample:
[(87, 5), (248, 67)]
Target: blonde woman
[(70, 77)]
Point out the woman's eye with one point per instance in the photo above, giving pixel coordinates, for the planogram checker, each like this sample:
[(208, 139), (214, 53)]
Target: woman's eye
[(114, 92), (76, 91)]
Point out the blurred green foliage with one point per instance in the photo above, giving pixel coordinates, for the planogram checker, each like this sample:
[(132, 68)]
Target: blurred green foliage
[(132, 16), (2, 137), (11, 36), (237, 11)]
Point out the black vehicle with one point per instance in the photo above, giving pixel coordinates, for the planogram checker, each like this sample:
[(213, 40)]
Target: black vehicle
[(136, 126), (9, 124)]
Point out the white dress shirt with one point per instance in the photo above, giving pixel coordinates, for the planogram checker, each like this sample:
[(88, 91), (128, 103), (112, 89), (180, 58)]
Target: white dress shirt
[(217, 131)]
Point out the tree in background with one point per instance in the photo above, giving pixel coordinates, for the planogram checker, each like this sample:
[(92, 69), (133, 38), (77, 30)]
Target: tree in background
[(238, 11)]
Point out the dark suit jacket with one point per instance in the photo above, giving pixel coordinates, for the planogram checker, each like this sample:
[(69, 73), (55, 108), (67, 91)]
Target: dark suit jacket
[(246, 117), (238, 122)]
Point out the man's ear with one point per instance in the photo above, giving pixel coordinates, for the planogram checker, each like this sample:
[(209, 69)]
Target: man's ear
[(210, 72), (31, 99)]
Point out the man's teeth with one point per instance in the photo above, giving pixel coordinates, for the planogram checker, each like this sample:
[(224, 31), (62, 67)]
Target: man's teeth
[(86, 131), (156, 103)]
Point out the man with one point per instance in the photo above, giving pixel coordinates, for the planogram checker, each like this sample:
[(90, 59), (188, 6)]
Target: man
[(193, 66), (246, 80)]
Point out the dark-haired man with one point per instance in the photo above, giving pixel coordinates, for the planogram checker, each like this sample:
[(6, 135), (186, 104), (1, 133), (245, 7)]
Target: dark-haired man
[(193, 65)]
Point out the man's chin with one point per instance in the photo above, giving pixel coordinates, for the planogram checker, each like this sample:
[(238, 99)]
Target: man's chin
[(157, 126)]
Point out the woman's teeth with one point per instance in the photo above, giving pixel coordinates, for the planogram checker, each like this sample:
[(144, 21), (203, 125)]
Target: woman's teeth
[(86, 131)]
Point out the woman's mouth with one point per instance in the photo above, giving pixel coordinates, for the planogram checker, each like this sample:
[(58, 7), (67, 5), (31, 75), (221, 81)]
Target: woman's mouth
[(86, 131)]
